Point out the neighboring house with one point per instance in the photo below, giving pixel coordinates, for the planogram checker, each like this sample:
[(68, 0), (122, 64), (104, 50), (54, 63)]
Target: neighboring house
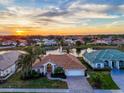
[(69, 41), (48, 42), (108, 58), (82, 41), (23, 43), (118, 41), (100, 41), (8, 43), (8, 63), (71, 65)]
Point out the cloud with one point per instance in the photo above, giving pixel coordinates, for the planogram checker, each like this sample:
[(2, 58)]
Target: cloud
[(72, 13), (121, 9), (6, 2)]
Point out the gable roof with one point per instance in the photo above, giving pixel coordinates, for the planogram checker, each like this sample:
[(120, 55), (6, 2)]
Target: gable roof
[(66, 61), (102, 55), (8, 58)]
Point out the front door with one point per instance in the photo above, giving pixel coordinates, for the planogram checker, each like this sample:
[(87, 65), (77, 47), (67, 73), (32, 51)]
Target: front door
[(49, 68), (114, 64)]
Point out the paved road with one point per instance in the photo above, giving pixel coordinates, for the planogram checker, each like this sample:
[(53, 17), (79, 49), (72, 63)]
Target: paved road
[(118, 77), (79, 85)]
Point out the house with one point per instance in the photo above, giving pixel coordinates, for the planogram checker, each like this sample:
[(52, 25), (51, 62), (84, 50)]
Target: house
[(8, 63), (22, 42), (71, 65), (108, 58), (100, 41), (69, 41), (8, 43), (118, 41), (48, 42)]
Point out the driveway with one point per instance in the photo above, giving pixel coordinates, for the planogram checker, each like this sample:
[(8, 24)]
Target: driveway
[(118, 77), (79, 85)]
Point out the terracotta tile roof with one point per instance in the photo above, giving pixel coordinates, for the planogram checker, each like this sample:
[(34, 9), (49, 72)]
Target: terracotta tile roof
[(66, 61)]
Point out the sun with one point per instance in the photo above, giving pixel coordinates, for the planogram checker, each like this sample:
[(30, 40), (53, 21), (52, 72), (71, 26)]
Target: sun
[(19, 32)]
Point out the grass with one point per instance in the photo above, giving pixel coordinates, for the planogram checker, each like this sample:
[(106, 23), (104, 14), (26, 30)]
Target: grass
[(106, 80), (43, 82)]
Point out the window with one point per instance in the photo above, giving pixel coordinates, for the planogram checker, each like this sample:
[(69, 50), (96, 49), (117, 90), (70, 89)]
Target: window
[(38, 70), (106, 63)]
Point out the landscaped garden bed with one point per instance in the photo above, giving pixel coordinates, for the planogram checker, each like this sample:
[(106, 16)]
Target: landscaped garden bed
[(59, 73)]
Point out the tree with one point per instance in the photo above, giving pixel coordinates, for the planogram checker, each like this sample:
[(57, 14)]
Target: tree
[(67, 50), (26, 61), (23, 63), (78, 43), (87, 39), (78, 50), (61, 42)]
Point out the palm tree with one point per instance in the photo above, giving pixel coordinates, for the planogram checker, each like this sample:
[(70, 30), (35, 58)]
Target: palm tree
[(78, 51), (26, 61), (23, 62)]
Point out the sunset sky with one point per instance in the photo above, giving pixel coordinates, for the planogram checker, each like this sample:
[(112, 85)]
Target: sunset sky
[(61, 17)]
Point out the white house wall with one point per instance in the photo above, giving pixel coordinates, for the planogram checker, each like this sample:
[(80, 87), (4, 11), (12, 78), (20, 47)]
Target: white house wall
[(9, 70)]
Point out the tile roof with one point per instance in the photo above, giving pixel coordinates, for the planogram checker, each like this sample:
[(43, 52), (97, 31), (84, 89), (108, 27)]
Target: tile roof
[(8, 58), (102, 55), (66, 61)]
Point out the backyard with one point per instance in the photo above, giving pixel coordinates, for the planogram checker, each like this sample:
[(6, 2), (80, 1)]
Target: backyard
[(43, 82)]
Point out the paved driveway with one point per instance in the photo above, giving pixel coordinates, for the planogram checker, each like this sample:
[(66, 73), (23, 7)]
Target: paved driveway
[(118, 77), (79, 85)]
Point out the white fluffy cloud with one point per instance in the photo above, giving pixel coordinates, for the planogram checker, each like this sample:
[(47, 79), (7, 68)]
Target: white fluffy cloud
[(73, 14)]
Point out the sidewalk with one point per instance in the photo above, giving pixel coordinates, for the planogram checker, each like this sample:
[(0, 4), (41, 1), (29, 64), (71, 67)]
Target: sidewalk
[(107, 91), (34, 90)]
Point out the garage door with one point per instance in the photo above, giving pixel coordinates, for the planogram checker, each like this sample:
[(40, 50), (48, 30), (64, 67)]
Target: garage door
[(74, 72)]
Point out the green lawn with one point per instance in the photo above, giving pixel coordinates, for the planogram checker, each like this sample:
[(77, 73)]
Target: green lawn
[(106, 80), (16, 82)]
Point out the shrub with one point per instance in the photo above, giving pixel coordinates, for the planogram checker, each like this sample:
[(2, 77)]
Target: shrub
[(59, 73), (104, 69), (31, 75), (97, 80), (59, 70)]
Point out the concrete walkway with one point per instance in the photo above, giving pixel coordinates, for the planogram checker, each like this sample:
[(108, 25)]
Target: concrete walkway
[(34, 90), (79, 85), (118, 77), (50, 78)]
